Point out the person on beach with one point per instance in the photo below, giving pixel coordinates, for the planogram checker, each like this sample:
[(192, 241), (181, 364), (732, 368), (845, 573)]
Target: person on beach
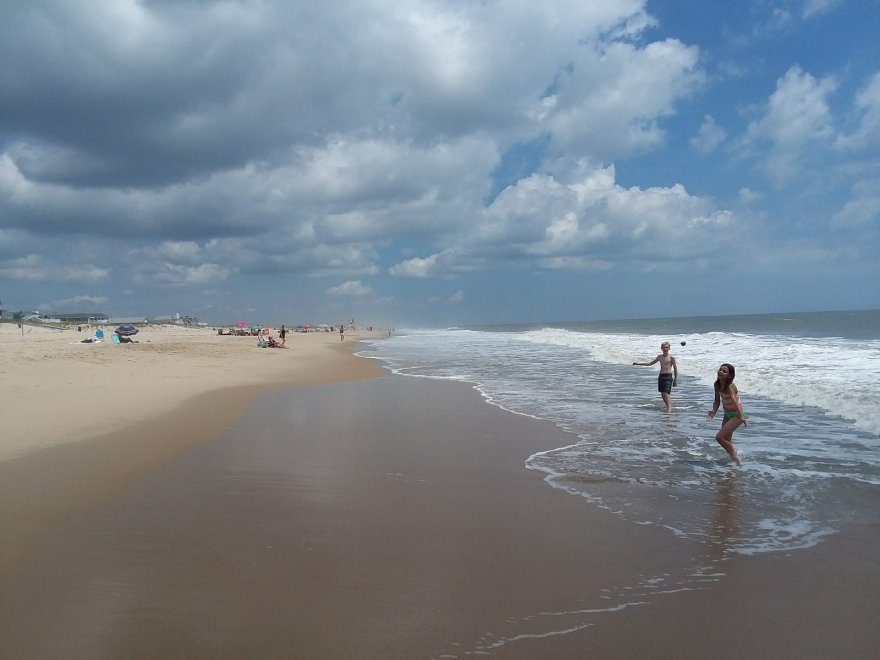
[(668, 377), (341, 332), (727, 395), (282, 334)]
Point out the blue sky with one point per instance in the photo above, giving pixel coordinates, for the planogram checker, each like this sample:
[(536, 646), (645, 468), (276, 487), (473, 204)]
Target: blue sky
[(439, 163)]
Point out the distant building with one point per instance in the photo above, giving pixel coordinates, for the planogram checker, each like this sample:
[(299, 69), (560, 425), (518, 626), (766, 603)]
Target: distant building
[(85, 318), (21, 316), (95, 318), (176, 319)]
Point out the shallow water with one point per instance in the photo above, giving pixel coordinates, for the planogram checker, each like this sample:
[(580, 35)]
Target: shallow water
[(809, 383)]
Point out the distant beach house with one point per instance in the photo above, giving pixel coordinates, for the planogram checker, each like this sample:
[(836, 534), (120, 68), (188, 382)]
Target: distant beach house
[(94, 318), (84, 318), (23, 316)]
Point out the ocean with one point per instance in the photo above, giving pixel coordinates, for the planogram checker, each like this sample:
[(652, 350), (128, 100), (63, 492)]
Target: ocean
[(809, 382)]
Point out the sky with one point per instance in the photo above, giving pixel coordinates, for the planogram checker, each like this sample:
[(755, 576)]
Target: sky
[(439, 162)]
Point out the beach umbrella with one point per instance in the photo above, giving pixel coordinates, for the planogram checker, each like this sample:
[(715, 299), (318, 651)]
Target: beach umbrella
[(126, 330), (241, 324)]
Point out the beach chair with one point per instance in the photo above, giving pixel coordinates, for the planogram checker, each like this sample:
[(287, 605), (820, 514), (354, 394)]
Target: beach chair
[(115, 338), (99, 335), (262, 343)]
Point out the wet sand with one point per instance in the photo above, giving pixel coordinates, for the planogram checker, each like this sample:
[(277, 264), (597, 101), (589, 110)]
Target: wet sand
[(392, 518)]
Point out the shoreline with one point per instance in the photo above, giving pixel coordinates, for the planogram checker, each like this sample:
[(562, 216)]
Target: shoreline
[(380, 517), (79, 429), (57, 390)]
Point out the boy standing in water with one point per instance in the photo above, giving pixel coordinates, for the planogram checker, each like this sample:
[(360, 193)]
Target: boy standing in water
[(668, 374)]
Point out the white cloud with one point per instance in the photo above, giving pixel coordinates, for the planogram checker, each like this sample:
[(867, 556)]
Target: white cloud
[(36, 268), (587, 223), (862, 212), (415, 267), (29, 268), (322, 166), (82, 273), (709, 135), (749, 196), (188, 276), (351, 289), (814, 8), (178, 250), (456, 297), (797, 119), (609, 104), (867, 106), (200, 141)]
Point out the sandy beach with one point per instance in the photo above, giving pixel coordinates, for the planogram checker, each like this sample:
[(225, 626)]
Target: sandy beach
[(56, 389), (205, 498), (149, 400)]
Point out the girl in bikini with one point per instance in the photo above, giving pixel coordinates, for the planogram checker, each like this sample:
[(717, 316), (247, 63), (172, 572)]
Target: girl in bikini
[(727, 394)]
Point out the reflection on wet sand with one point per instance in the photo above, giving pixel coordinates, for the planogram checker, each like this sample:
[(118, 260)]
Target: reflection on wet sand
[(723, 532)]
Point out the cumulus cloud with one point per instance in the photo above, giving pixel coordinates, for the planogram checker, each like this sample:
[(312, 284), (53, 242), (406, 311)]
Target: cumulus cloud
[(188, 276), (749, 196), (857, 213), (861, 213), (36, 268), (278, 138), (814, 8), (867, 107), (589, 222), (224, 142), (797, 119), (416, 267), (709, 135), (608, 104), (351, 289)]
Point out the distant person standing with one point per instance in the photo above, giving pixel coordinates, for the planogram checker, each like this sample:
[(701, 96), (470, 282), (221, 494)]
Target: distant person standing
[(282, 334), (341, 332), (668, 377), (727, 395)]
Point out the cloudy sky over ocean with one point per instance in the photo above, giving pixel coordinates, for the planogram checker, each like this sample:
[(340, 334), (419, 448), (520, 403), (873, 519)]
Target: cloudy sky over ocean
[(439, 162)]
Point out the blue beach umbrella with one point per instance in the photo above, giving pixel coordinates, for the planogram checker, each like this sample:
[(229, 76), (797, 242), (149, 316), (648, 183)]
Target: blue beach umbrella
[(126, 330)]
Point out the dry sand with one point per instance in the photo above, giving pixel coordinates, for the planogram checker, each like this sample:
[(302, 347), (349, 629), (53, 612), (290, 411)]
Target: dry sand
[(54, 389)]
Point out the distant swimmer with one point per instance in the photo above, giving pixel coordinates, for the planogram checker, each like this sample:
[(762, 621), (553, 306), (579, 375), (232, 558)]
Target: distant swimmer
[(668, 374), (727, 394)]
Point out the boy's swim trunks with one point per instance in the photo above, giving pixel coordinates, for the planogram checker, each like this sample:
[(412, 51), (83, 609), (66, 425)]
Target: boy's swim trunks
[(664, 383)]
